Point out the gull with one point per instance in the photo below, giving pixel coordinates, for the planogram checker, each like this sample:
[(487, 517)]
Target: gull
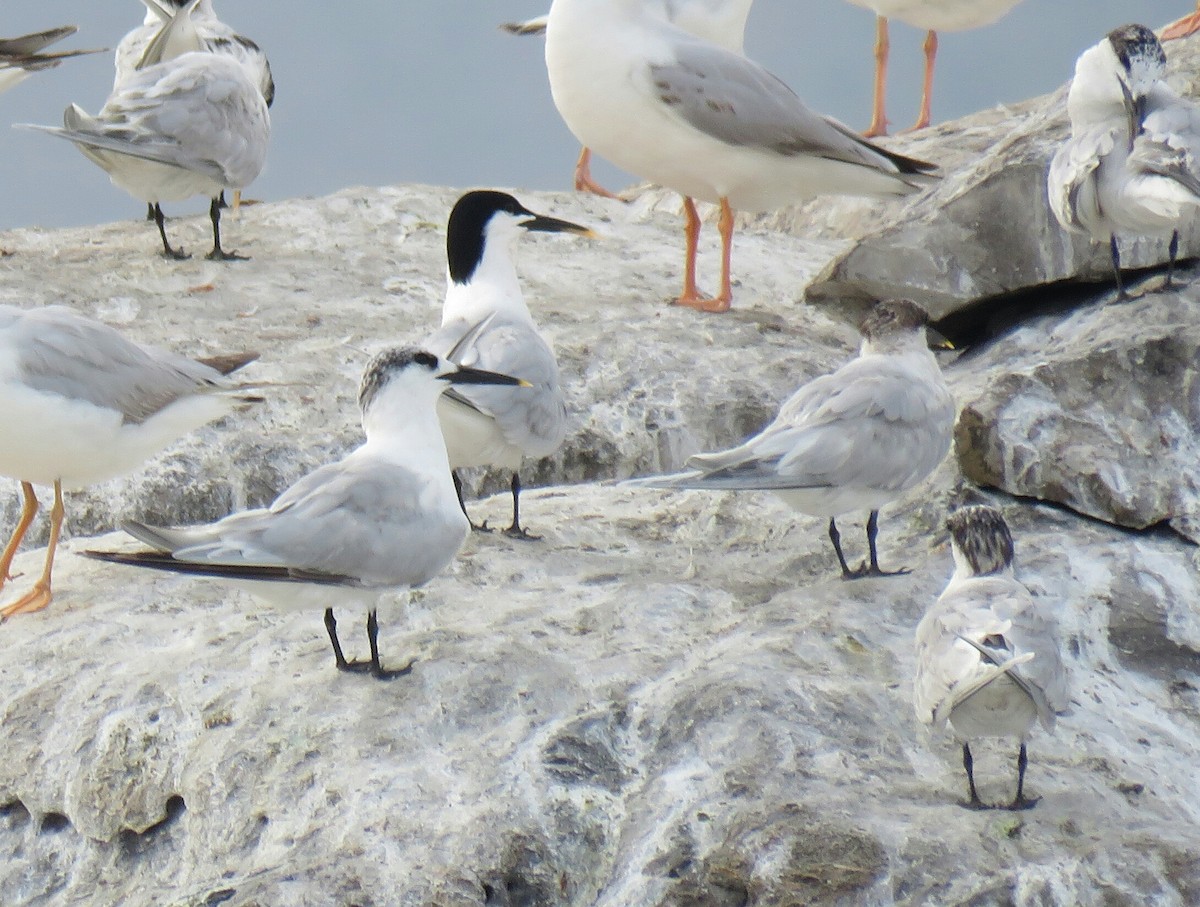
[(174, 27), (932, 16), (80, 404), (486, 324), (1132, 163), (723, 22), (987, 661), (1184, 27), (195, 124), (383, 518), (851, 440), (710, 124), (21, 56)]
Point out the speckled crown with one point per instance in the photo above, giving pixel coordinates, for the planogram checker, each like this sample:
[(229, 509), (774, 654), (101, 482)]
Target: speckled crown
[(982, 536), (386, 364), (1136, 43), (896, 316)]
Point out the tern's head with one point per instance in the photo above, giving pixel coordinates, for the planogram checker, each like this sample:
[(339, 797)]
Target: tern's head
[(980, 540), (1116, 75), (408, 373), (894, 326), (483, 230)]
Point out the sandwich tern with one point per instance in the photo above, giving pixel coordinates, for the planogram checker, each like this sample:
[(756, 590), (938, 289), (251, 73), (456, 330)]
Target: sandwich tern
[(712, 125), (383, 518), (486, 324), (80, 403), (988, 662), (1132, 163), (851, 440)]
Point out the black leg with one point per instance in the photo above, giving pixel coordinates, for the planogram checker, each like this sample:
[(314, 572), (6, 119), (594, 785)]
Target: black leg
[(177, 254), (836, 538), (458, 486), (342, 664), (221, 200), (515, 531), (217, 253), (149, 212), (1020, 801), (1173, 250), (874, 569), (376, 668), (1122, 296), (969, 765)]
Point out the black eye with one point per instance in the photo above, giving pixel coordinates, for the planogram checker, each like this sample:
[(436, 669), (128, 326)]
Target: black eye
[(426, 359)]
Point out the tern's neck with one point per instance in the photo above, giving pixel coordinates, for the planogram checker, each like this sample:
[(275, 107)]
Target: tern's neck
[(492, 287), (1095, 95), (404, 428)]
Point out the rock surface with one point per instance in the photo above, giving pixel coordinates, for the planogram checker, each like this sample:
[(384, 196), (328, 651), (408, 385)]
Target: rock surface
[(671, 700)]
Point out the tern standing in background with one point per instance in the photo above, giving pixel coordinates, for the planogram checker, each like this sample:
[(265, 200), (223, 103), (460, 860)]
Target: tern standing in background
[(486, 324), (80, 404), (710, 124), (933, 16), (193, 125), (1132, 163), (987, 661), (384, 518), (723, 22), (852, 440), (21, 56)]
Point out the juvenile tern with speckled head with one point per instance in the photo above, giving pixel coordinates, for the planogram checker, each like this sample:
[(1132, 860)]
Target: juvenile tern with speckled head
[(1132, 163), (79, 404), (486, 324), (988, 662), (710, 124), (723, 22), (851, 440), (385, 518)]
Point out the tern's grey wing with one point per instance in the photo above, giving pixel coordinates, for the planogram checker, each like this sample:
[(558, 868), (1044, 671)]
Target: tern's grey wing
[(531, 418), (534, 26), (360, 519), (870, 424), (27, 45), (736, 101), (60, 352), (1169, 143), (997, 614), (1071, 180)]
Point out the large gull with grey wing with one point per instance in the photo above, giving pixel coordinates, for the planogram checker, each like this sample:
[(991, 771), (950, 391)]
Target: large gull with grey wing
[(851, 440), (709, 123), (80, 403), (383, 519)]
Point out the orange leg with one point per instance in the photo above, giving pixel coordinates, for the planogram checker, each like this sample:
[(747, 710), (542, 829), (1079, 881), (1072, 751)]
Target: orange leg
[(931, 45), (583, 176), (879, 121), (691, 297), (1188, 25), (39, 596), (28, 512), (691, 235)]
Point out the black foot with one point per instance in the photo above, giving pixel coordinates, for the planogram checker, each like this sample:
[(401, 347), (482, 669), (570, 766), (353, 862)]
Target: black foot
[(175, 254), (864, 570), (974, 804), (522, 534), (222, 255), (376, 671), (1022, 803), (481, 527)]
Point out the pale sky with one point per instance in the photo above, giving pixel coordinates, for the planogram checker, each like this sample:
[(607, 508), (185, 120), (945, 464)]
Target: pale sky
[(430, 91)]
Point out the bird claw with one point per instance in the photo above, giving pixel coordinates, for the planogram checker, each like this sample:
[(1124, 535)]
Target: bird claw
[(375, 670), (865, 570), (481, 527), (175, 255), (222, 255), (1022, 803), (522, 534)]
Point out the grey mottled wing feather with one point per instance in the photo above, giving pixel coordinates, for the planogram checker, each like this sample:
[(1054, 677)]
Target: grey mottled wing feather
[(358, 519), (1169, 143), (63, 353), (733, 99), (531, 418), (1071, 180)]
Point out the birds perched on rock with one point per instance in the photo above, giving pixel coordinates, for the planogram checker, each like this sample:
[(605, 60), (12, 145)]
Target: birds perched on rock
[(382, 519), (723, 22), (932, 16), (706, 122), (80, 403), (1132, 163), (193, 124), (23, 55), (851, 440), (987, 660), (487, 324)]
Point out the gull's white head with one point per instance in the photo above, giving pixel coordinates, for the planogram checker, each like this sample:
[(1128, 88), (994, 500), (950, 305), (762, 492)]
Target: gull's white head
[(981, 542), (894, 326), (1114, 77)]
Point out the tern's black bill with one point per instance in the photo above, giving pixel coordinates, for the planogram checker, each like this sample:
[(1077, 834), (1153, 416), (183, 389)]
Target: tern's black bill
[(541, 224), (467, 375)]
